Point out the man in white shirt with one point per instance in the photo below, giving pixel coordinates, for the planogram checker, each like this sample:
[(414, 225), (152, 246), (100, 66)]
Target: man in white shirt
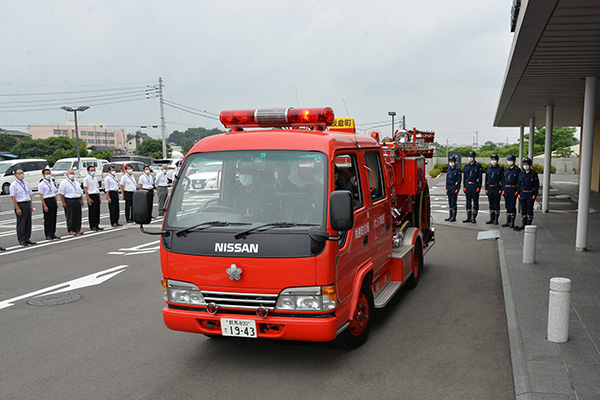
[(72, 201), (20, 194), (111, 187), (146, 182), (162, 184), (47, 191), (92, 193), (128, 186)]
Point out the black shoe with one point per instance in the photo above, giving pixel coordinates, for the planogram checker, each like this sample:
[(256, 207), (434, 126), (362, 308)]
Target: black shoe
[(30, 242), (99, 229), (94, 229), (24, 244), (54, 237), (2, 248), (48, 237), (117, 224)]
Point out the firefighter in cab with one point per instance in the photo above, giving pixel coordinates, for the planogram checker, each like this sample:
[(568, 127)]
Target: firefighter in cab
[(528, 185), (509, 188), (494, 175), (452, 187), (472, 186)]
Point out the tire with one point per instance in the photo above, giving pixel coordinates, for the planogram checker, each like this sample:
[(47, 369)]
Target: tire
[(357, 332), (6, 188), (417, 266)]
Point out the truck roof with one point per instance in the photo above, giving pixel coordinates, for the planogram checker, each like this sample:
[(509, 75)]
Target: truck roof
[(283, 139)]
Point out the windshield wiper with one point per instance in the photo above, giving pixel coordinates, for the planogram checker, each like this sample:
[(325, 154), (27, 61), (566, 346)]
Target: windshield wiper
[(271, 225), (205, 225)]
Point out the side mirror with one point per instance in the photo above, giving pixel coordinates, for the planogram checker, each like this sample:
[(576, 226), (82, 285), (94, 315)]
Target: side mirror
[(341, 213), (141, 207)]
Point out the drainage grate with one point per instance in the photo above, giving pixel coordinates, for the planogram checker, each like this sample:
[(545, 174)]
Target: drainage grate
[(54, 299)]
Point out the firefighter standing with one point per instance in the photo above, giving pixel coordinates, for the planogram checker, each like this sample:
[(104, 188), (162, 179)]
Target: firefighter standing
[(527, 191), (452, 187), (509, 187), (494, 175), (472, 186)]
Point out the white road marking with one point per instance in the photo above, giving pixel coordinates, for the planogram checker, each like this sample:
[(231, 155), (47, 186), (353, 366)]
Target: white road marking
[(88, 280)]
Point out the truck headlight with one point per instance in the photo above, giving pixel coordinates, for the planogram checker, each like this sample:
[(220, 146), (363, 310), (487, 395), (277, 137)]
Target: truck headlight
[(182, 292), (312, 298)]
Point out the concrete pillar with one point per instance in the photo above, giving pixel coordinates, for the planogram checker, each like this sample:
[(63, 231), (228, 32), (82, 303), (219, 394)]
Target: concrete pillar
[(547, 158), (529, 244), (558, 310), (585, 172), (531, 130), (522, 134)]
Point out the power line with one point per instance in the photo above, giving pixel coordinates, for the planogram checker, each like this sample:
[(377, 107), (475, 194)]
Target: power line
[(72, 92)]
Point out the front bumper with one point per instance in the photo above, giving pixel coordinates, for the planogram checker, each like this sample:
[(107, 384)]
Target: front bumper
[(317, 329)]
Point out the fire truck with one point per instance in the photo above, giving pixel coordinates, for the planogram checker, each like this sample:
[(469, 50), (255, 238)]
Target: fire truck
[(302, 230)]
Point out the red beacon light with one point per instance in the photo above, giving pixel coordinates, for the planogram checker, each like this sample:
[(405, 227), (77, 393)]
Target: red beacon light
[(278, 118)]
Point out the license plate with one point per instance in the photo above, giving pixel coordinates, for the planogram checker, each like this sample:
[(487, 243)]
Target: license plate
[(238, 327)]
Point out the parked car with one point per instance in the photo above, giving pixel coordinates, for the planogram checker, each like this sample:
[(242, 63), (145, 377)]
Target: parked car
[(137, 166), (171, 164), (32, 169), (60, 167), (205, 175)]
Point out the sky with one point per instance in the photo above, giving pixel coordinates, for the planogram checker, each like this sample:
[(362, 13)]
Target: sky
[(439, 63)]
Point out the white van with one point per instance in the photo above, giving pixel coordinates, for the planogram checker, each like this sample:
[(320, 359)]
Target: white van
[(59, 170), (32, 169)]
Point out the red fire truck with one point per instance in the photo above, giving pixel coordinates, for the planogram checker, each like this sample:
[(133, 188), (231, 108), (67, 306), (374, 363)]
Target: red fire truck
[(299, 232)]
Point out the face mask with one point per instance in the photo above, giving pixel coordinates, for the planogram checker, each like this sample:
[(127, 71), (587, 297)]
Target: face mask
[(511, 163), (20, 177), (48, 176), (147, 172), (526, 167), (452, 164), (471, 159), (246, 179), (494, 163), (129, 171), (113, 172), (92, 173), (71, 176), (164, 170)]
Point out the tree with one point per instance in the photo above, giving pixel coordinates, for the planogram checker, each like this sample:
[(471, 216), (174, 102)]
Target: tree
[(561, 137), (32, 148), (193, 134), (7, 142), (187, 146), (152, 148)]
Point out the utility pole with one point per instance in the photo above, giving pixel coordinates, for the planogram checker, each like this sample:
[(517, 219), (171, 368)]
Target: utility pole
[(404, 122), (162, 118)]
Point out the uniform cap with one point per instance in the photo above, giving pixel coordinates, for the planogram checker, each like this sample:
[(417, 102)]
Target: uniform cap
[(452, 158), (472, 154), (527, 160), (494, 156), (512, 157)]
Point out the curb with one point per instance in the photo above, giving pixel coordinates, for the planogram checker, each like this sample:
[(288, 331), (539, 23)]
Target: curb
[(519, 368)]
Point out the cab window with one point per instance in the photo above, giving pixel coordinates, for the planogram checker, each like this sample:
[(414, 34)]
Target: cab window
[(375, 175), (346, 177)]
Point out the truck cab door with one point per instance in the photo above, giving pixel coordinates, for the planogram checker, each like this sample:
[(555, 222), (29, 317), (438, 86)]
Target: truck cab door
[(355, 247)]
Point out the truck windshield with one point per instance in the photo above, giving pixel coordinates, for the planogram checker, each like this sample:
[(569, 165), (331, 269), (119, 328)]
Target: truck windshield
[(253, 187)]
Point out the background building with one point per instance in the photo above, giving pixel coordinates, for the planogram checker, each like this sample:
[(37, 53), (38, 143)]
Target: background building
[(93, 134)]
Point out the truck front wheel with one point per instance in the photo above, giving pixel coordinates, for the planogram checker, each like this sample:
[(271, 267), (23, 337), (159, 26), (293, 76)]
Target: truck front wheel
[(360, 325)]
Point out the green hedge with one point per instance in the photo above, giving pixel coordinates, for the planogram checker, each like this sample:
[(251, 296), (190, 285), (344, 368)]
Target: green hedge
[(435, 172)]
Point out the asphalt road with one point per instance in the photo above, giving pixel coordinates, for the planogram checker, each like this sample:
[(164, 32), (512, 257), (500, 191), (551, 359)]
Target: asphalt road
[(446, 339)]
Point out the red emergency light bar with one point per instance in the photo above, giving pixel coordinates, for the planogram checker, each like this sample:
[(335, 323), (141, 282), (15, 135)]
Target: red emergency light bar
[(277, 117)]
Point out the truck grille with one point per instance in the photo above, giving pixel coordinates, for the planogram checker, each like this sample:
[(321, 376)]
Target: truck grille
[(240, 300)]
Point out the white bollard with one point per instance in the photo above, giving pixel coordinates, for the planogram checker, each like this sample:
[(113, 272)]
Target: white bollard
[(558, 310), (529, 244)]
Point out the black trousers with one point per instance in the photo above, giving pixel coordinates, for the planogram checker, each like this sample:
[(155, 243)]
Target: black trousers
[(527, 203), (50, 217), (510, 200), (129, 206), (150, 199), (24, 221), (73, 214), (94, 211), (493, 194), (113, 206), (452, 196)]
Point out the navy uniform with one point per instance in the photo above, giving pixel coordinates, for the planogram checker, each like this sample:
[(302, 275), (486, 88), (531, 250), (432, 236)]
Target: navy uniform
[(494, 177), (528, 185), (452, 187), (472, 175), (509, 187)]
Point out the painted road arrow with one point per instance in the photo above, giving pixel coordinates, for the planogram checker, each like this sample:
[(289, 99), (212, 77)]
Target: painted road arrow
[(88, 280)]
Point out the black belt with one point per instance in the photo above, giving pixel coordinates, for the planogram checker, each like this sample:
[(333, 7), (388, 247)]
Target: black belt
[(23, 202), (73, 198)]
